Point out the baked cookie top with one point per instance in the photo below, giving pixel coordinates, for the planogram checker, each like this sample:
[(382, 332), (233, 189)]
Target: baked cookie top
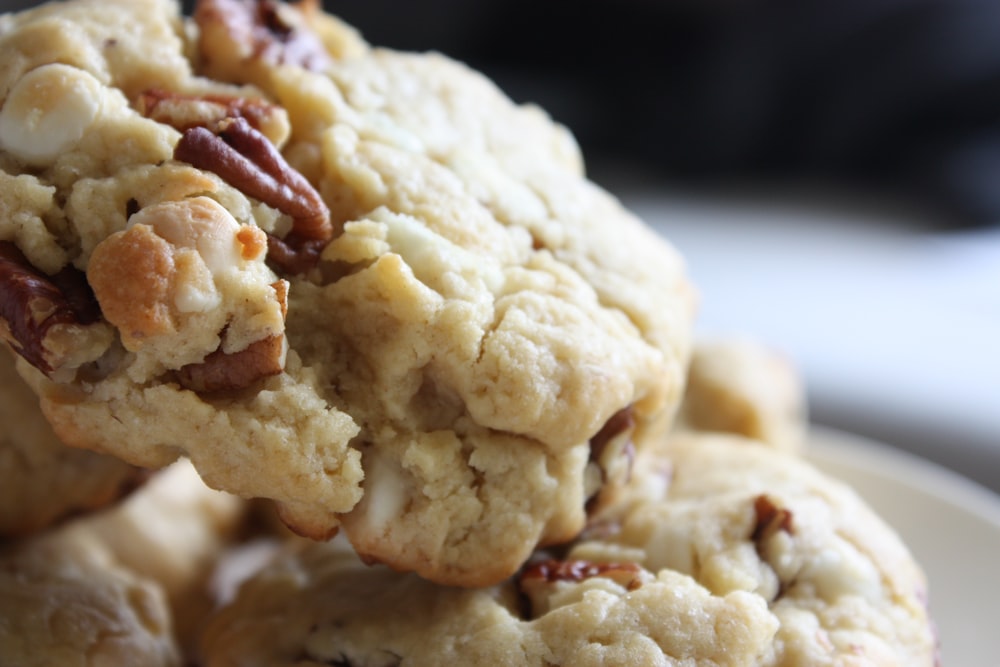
[(42, 481), (724, 552), (64, 600), (740, 385), (358, 282)]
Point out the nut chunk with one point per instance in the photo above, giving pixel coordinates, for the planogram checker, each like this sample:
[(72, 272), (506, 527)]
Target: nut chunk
[(48, 320), (236, 33), (544, 580), (244, 158), (184, 280), (182, 112)]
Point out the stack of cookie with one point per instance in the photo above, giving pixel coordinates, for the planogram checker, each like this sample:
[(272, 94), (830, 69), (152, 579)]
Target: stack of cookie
[(245, 255)]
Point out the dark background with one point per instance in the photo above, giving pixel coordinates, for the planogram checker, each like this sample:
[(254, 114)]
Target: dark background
[(900, 97), (895, 97)]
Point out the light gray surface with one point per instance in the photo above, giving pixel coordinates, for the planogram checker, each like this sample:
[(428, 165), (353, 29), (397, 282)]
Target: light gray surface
[(895, 330)]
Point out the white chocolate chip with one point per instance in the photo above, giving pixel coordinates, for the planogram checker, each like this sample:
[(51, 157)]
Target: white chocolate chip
[(201, 224), (432, 256), (195, 290), (841, 570), (47, 112), (385, 493)]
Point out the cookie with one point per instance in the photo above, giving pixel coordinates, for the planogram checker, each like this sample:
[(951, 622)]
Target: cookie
[(840, 582), (172, 532), (164, 539), (65, 601), (42, 481), (742, 386), (361, 283), (725, 553)]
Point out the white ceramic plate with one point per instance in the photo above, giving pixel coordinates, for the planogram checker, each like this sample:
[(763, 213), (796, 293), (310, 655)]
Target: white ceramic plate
[(952, 527)]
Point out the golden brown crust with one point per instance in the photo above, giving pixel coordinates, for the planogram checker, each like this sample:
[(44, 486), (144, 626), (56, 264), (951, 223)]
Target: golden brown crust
[(132, 274)]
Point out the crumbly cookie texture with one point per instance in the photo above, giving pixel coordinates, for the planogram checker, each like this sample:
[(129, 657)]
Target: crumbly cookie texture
[(324, 606), (64, 600), (723, 553), (739, 385), (361, 283), (841, 583), (42, 481)]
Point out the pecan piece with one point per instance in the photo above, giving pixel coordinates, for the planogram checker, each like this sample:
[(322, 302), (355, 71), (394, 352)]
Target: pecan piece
[(293, 255), (244, 158), (222, 372), (552, 570), (769, 520), (536, 581), (36, 308), (263, 29), (182, 112), (612, 454), (621, 422)]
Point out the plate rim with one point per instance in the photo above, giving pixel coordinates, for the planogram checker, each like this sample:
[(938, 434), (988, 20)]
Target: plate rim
[(923, 476)]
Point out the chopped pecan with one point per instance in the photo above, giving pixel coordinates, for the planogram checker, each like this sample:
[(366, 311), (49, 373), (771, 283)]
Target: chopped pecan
[(222, 372), (549, 571), (292, 255), (74, 287), (619, 423), (536, 581), (265, 29), (245, 159), (769, 519), (612, 454), (33, 304), (182, 112)]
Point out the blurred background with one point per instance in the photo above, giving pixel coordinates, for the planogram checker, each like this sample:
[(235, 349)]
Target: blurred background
[(830, 168)]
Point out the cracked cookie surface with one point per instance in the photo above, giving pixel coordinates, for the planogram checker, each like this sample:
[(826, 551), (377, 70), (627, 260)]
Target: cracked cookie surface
[(361, 283), (721, 552)]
